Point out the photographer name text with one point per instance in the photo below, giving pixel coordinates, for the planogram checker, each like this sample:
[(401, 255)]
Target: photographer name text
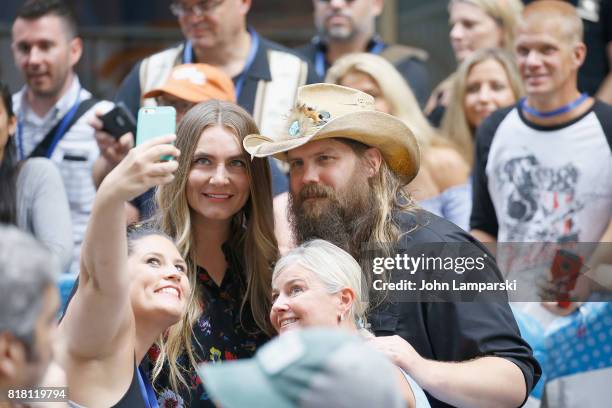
[(407, 285)]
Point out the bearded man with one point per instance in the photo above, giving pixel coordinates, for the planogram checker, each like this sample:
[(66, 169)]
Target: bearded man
[(348, 166)]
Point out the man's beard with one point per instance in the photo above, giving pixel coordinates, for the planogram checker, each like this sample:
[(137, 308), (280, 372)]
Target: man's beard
[(338, 33), (345, 220)]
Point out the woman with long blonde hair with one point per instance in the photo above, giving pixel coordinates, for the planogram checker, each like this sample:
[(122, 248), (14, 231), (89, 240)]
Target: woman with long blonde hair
[(441, 185), (219, 210), (485, 81)]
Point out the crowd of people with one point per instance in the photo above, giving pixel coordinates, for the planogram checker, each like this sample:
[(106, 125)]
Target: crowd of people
[(250, 233)]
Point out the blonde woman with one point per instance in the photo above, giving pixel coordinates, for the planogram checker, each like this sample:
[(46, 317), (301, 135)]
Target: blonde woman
[(131, 290), (475, 24), (219, 209), (441, 185), (485, 81), (320, 285)]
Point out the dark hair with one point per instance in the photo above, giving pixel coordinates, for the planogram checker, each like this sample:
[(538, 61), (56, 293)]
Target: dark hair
[(138, 231), (35, 9), (8, 168), (356, 146)]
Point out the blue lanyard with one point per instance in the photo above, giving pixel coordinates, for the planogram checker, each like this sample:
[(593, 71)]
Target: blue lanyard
[(147, 391), (59, 133), (20, 139), (188, 53), (320, 62), (559, 111), (239, 83), (377, 48), (249, 63)]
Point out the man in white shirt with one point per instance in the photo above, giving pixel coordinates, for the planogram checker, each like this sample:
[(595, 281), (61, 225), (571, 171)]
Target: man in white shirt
[(52, 106)]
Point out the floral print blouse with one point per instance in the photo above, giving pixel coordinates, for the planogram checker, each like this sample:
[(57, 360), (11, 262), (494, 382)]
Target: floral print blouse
[(218, 333)]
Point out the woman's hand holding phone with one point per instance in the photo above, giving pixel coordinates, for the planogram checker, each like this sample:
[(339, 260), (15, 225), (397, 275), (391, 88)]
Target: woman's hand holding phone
[(142, 169), (154, 122)]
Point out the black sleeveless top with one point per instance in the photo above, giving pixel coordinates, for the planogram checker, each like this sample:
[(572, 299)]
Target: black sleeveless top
[(133, 396)]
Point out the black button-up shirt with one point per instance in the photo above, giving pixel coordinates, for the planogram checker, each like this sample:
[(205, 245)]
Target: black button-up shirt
[(453, 330)]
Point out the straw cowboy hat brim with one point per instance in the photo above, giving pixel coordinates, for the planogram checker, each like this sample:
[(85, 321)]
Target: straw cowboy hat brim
[(390, 135)]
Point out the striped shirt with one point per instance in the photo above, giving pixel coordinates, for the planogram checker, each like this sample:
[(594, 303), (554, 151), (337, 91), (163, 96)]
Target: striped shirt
[(74, 155)]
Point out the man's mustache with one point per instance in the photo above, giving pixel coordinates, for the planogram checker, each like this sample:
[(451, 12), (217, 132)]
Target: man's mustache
[(337, 14), (315, 191)]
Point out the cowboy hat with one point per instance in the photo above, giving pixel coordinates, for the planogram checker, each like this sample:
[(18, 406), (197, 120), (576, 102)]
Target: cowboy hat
[(325, 111)]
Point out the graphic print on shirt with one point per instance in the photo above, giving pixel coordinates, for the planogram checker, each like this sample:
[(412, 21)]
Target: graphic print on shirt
[(540, 202)]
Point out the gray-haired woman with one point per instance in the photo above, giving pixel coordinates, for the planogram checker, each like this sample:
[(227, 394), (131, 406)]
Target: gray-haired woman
[(318, 284)]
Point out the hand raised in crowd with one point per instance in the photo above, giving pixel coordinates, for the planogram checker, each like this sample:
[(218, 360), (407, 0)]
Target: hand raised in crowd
[(111, 149), (142, 169), (552, 289)]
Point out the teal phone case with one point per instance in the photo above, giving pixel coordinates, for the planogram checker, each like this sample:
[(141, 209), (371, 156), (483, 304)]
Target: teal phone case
[(154, 122)]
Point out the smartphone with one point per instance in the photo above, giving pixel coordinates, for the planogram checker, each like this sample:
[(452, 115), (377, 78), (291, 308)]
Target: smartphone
[(118, 121), (565, 269), (154, 122)]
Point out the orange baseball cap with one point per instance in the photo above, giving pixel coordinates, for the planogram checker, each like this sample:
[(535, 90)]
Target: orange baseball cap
[(197, 83)]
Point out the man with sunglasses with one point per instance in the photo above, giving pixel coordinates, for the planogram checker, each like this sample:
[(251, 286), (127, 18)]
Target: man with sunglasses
[(347, 26)]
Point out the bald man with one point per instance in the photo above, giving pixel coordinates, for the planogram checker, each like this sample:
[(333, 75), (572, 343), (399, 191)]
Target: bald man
[(543, 169), (555, 142)]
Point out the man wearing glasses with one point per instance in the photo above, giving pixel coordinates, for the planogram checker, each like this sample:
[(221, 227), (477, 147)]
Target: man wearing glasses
[(265, 74), (347, 26)]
